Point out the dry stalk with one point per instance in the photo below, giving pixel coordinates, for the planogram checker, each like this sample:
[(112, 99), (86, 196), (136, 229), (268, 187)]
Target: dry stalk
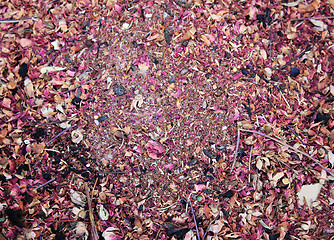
[(292, 148), (236, 151), (94, 234)]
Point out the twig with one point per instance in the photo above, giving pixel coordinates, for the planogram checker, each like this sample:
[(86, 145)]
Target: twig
[(207, 230), (249, 163), (292, 148), (44, 184), (158, 233), (297, 136), (54, 138), (101, 173), (192, 210), (270, 43), (236, 151), (315, 18), (94, 235), (245, 79), (122, 143), (94, 188), (17, 20), (188, 201), (300, 54), (51, 150), (99, 44), (263, 78), (287, 103)]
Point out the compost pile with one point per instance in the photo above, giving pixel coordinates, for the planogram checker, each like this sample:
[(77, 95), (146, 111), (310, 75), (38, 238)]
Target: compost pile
[(166, 119)]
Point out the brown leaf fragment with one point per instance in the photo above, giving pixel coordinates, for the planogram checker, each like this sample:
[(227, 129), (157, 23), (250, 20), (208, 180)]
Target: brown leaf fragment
[(305, 8)]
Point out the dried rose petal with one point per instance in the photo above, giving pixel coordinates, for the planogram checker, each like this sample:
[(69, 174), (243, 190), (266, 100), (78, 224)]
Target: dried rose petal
[(155, 150)]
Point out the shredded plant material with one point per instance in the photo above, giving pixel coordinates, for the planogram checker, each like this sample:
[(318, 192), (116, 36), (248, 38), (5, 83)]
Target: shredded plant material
[(173, 119)]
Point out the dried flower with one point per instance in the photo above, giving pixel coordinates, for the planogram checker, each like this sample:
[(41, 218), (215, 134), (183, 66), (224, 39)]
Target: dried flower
[(78, 198), (81, 230), (103, 213), (77, 136)]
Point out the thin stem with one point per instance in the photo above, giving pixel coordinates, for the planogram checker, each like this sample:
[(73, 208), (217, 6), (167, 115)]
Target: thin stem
[(192, 210), (94, 189), (158, 233), (292, 148), (51, 150), (299, 55), (94, 234), (315, 18), (165, 208), (244, 79), (98, 50), (236, 151), (249, 164), (44, 184), (207, 230), (101, 173), (270, 43), (263, 78), (54, 138), (287, 103), (17, 20), (297, 136)]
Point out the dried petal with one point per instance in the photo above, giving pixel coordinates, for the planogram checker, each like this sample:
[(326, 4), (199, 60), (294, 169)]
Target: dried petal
[(309, 194), (24, 42), (81, 230), (155, 149), (109, 234), (78, 198), (103, 213)]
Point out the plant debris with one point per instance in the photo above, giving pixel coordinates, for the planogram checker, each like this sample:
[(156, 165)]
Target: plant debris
[(166, 120)]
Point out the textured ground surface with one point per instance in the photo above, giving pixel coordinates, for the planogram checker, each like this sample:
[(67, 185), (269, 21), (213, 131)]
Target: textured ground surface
[(166, 119)]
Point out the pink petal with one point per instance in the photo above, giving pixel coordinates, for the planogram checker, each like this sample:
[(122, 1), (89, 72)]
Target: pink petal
[(199, 187), (169, 166), (24, 42), (70, 73), (236, 116)]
